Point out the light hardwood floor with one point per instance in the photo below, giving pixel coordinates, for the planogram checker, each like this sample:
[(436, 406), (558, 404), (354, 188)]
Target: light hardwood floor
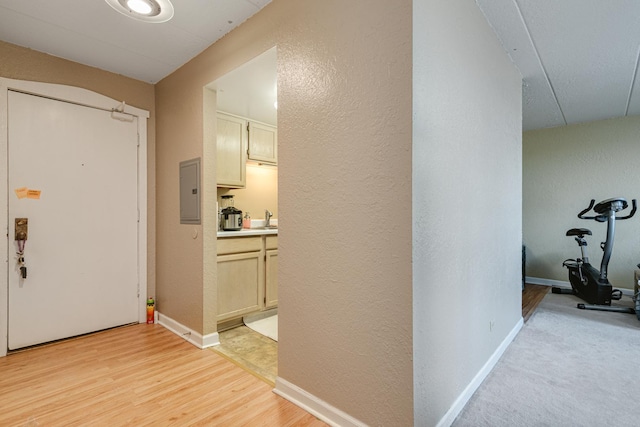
[(136, 375), (531, 297), (145, 375)]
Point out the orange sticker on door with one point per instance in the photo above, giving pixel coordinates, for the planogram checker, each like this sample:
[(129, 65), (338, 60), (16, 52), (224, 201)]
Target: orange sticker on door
[(33, 194), (26, 193), (21, 192)]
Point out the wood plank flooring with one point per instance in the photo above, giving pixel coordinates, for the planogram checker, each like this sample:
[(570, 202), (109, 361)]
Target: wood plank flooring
[(531, 297), (136, 375), (145, 375)]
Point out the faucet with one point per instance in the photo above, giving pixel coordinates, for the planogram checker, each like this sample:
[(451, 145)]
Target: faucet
[(267, 217)]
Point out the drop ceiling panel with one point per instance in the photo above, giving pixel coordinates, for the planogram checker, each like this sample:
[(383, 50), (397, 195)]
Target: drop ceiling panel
[(251, 89), (588, 49), (222, 16), (92, 33), (634, 102), (577, 57), (539, 106), (58, 41), (259, 3)]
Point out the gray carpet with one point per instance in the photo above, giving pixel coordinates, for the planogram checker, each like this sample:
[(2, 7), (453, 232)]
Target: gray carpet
[(566, 367)]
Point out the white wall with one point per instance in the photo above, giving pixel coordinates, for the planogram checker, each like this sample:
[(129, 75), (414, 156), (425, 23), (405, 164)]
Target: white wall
[(563, 169), (467, 199)]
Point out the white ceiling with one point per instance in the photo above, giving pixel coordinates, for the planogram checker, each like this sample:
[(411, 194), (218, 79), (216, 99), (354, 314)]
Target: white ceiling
[(91, 32), (251, 89), (578, 58)]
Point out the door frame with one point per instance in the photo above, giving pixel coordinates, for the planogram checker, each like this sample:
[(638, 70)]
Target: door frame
[(86, 98)]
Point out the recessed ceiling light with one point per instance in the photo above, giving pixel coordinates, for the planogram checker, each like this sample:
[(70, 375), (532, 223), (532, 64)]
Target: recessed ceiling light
[(144, 10), (142, 7)]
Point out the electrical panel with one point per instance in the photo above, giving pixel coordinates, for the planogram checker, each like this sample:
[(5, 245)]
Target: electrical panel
[(190, 191)]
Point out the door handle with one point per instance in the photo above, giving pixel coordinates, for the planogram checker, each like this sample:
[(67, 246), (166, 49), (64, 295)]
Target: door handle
[(22, 229), (21, 235)]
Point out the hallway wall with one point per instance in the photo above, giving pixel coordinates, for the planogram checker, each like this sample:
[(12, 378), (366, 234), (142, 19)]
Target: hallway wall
[(344, 129), (467, 198)]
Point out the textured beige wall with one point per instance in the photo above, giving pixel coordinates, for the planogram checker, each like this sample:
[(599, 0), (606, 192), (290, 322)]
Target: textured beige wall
[(344, 116), (25, 64), (179, 246), (344, 124), (564, 168), (467, 199)]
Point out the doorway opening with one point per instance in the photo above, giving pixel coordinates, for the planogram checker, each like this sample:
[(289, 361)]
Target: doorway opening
[(245, 259)]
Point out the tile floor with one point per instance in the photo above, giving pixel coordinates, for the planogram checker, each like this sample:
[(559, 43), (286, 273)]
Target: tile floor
[(251, 351)]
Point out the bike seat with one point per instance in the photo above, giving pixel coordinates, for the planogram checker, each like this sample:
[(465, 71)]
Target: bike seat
[(579, 232), (615, 205)]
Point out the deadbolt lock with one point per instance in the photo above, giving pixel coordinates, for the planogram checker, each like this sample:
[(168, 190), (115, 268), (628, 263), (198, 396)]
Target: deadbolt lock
[(22, 228)]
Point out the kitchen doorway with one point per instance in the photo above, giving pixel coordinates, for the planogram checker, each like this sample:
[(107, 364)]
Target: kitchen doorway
[(248, 94)]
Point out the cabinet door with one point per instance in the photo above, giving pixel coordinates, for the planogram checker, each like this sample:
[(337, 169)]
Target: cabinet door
[(231, 151), (240, 284), (263, 143), (271, 274)]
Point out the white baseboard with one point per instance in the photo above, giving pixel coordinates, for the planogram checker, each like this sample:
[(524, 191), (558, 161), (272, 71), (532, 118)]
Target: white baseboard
[(547, 282), (464, 397), (563, 284), (189, 335), (310, 403)]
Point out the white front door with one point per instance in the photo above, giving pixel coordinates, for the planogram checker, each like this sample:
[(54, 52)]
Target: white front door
[(81, 253)]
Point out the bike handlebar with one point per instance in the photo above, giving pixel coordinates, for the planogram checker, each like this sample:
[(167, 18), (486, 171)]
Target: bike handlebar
[(602, 217), (580, 215), (634, 207)]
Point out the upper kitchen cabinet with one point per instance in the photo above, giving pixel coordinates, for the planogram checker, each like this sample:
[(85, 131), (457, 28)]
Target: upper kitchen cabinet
[(249, 93), (231, 149), (263, 143)]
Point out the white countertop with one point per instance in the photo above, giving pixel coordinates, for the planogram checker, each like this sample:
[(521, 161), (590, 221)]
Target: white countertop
[(248, 232)]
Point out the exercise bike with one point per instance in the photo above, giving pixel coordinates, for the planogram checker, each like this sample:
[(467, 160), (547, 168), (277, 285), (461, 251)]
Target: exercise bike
[(587, 282)]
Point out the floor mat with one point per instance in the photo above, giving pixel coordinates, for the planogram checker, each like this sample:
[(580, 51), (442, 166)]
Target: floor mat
[(267, 326)]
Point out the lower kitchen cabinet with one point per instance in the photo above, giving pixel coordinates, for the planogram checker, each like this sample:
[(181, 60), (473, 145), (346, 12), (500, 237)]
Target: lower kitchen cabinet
[(271, 273), (247, 275), (239, 278)]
